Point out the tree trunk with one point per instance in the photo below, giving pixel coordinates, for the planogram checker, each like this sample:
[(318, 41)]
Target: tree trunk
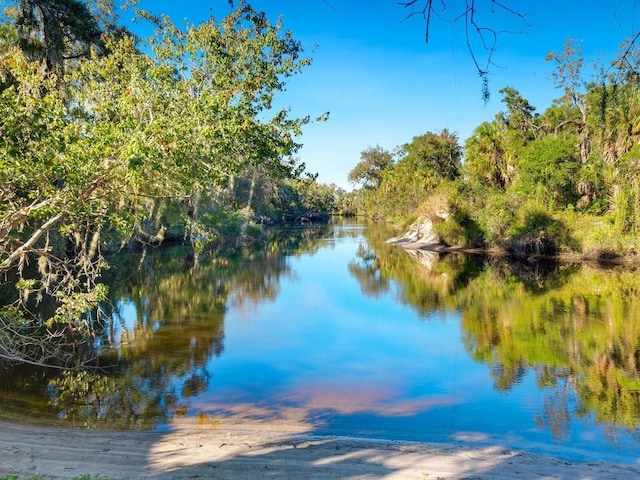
[(248, 210)]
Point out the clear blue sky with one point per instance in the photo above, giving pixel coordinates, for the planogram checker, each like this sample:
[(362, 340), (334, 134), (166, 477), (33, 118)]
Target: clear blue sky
[(383, 85)]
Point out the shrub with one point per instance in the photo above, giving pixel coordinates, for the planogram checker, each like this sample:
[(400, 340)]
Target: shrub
[(540, 234)]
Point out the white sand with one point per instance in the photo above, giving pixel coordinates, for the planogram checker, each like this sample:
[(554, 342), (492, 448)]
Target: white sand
[(248, 451)]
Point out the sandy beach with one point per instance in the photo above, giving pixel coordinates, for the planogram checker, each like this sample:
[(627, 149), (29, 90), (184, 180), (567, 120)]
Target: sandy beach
[(236, 451)]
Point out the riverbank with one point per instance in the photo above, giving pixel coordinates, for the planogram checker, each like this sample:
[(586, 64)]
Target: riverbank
[(422, 238), (214, 450)]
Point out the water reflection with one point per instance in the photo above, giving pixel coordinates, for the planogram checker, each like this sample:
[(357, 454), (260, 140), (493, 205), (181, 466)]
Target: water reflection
[(580, 337), (575, 327), (332, 327)]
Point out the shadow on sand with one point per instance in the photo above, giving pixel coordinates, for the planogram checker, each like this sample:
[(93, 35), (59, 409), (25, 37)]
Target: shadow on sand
[(211, 452)]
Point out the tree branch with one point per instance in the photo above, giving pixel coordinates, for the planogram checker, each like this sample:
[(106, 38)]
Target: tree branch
[(473, 29), (32, 240), (14, 219)]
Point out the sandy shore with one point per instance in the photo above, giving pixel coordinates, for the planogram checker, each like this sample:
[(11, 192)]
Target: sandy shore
[(196, 450)]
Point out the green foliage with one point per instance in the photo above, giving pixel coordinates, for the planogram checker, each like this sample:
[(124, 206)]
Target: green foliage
[(547, 170), (576, 163), (8, 36), (223, 219), (138, 141), (486, 160), (592, 188), (57, 33), (369, 171), (460, 229), (434, 156), (520, 117), (423, 164), (626, 197), (293, 199), (15, 477), (538, 233), (448, 209), (496, 214)]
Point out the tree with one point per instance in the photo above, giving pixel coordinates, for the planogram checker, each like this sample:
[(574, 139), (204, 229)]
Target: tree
[(56, 31), (435, 155), (614, 105), (133, 135), (613, 131), (568, 76), (547, 169), (8, 36), (423, 164), (369, 171), (486, 157), (520, 116)]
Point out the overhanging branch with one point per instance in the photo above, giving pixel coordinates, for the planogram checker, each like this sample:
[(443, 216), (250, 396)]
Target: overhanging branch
[(476, 30), (24, 248)]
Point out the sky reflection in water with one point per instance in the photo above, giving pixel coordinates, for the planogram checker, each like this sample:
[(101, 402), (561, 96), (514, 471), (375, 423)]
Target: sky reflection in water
[(344, 335), (354, 364)]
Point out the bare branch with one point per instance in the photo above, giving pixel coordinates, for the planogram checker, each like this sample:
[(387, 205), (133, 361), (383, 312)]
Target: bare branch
[(474, 29), (426, 12), (52, 349)]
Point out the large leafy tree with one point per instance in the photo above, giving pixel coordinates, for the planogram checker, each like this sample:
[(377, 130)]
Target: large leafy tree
[(131, 137), (437, 156), (520, 118), (423, 164), (369, 171), (547, 170)]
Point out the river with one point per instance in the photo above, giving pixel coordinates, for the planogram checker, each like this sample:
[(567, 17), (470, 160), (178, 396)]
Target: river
[(350, 336)]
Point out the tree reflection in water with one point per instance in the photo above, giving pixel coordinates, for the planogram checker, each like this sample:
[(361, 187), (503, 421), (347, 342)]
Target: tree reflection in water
[(152, 364), (576, 327)]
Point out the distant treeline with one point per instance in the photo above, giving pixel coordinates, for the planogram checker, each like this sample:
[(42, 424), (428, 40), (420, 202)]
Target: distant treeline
[(563, 181)]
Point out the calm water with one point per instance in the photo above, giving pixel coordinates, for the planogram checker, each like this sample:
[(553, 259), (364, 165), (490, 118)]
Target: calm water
[(331, 326)]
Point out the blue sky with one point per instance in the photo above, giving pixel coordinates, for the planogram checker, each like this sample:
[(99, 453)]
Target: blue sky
[(383, 85)]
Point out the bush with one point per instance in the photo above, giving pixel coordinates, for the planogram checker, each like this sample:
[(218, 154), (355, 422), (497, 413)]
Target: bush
[(460, 230), (540, 234), (496, 215), (547, 169)]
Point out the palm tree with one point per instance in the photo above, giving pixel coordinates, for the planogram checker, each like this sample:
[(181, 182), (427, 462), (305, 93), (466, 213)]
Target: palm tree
[(486, 157)]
